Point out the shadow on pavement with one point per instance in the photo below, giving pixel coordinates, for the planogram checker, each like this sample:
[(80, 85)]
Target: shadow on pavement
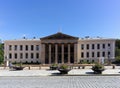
[(89, 72)]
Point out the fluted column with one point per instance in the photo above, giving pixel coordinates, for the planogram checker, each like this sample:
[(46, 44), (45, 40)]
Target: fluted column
[(56, 53), (43, 54), (69, 53), (49, 53), (75, 53), (62, 53)]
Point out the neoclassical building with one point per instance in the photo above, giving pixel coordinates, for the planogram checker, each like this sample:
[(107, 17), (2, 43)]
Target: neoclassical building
[(59, 48)]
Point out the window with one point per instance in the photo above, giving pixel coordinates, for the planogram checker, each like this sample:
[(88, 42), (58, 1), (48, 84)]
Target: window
[(108, 53), (32, 55), (103, 54), (82, 46), (93, 54), (87, 60), (26, 47), (26, 55), (93, 61), (21, 55), (98, 46), (21, 47), (15, 55), (87, 54), (108, 44), (87, 46), (103, 46), (37, 47), (98, 54), (32, 47), (37, 55), (15, 47), (10, 47), (93, 46), (82, 54), (10, 55)]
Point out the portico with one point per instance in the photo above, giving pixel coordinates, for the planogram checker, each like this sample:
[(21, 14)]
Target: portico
[(59, 48)]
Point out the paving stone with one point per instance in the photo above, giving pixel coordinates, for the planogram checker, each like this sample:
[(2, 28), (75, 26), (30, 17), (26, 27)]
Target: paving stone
[(61, 82)]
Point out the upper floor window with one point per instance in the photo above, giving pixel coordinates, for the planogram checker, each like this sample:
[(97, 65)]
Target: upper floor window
[(37, 47), (103, 46), (103, 54), (26, 47), (26, 55), (82, 54), (98, 46), (93, 46), (108, 44), (93, 54), (32, 55), (98, 54), (87, 46), (37, 55), (21, 47), (15, 56), (87, 54), (10, 55), (21, 55), (32, 47), (15, 47), (82, 46), (10, 47)]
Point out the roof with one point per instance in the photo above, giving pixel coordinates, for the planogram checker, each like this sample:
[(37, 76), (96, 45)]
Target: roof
[(59, 35)]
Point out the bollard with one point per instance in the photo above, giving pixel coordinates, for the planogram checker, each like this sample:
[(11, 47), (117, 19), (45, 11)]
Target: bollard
[(39, 67), (29, 67), (113, 66), (83, 67)]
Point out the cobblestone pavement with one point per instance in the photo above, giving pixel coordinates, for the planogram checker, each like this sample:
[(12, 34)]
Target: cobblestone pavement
[(61, 82)]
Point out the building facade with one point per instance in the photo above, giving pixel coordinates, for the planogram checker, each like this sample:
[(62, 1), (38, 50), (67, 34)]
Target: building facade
[(59, 48)]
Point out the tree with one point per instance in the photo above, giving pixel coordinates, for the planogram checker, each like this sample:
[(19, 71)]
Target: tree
[(1, 53), (117, 48), (117, 51)]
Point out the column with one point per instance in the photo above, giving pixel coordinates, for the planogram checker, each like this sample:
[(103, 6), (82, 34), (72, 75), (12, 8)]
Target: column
[(62, 53), (49, 53), (56, 53), (43, 54), (75, 53), (69, 53)]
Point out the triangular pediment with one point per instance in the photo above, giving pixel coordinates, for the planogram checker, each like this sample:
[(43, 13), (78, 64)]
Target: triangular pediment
[(59, 35)]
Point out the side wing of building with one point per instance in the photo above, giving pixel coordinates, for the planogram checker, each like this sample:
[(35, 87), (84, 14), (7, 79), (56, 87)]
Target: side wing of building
[(27, 51), (91, 50)]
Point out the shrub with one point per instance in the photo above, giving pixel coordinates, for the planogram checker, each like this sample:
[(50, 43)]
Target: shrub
[(54, 65), (117, 60), (98, 68), (63, 67)]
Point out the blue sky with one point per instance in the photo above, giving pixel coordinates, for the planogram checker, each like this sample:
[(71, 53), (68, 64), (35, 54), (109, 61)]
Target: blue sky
[(40, 18)]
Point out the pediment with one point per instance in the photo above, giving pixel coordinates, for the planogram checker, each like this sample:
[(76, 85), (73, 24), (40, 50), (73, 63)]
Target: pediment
[(59, 35)]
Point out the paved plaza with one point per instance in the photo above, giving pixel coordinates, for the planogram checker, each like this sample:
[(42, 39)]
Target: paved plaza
[(47, 72), (61, 82), (45, 78)]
